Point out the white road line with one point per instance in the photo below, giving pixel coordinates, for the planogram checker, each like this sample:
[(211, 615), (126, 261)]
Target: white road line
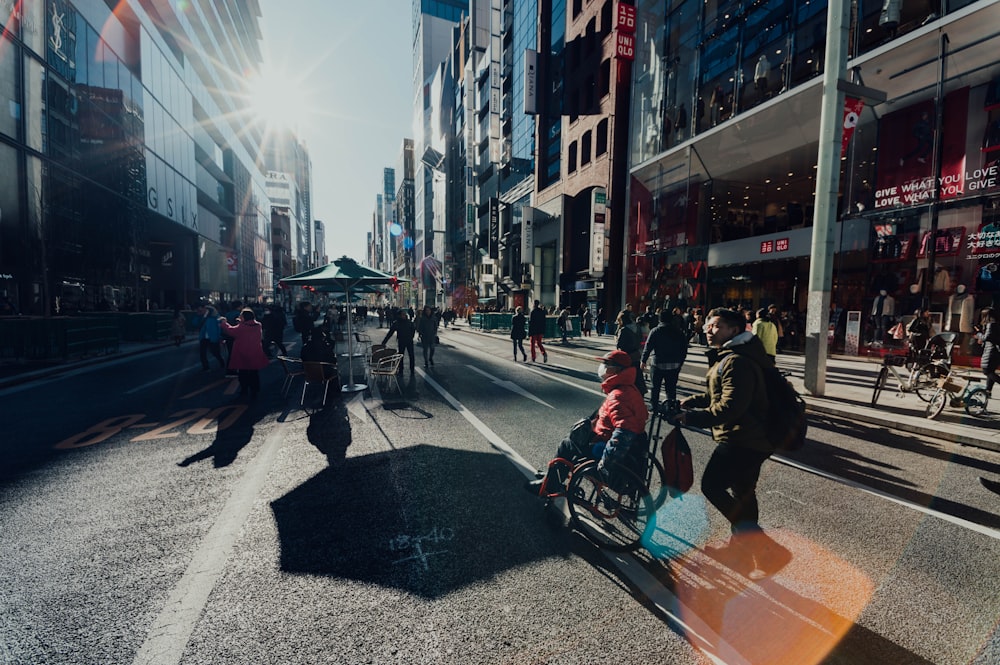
[(511, 386), (699, 633), (958, 521), (170, 633), (159, 380), (549, 375)]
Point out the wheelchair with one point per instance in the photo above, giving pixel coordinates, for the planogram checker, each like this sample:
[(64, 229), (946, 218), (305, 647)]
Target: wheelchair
[(614, 507)]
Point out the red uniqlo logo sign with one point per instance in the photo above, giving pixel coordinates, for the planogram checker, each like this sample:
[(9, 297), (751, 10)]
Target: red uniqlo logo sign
[(626, 46), (626, 18), (767, 247), (781, 245)]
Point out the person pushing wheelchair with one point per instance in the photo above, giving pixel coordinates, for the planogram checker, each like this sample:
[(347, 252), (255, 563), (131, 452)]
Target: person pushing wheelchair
[(619, 425)]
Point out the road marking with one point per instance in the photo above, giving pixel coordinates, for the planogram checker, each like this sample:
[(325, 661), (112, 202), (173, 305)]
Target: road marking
[(958, 521), (171, 631), (549, 375), (511, 386), (159, 380), (700, 634), (512, 455)]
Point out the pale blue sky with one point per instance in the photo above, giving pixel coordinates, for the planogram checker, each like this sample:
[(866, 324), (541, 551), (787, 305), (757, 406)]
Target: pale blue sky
[(353, 61)]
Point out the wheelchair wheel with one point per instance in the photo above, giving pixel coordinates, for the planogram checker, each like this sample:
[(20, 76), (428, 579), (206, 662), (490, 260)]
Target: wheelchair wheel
[(612, 516), (925, 382), (935, 405), (879, 384), (976, 401), (656, 484)]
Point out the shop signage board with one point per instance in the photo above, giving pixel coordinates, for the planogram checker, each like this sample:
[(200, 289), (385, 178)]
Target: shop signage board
[(598, 210), (853, 338)]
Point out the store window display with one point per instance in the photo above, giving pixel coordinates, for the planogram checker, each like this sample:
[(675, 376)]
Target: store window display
[(959, 315), (883, 314)]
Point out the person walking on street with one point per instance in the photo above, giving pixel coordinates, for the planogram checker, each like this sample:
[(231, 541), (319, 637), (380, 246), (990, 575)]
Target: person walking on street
[(427, 328), (404, 330), (991, 346), (629, 340), (518, 332), (274, 323), (248, 352), (733, 406), (620, 423), (669, 346), (601, 321), (209, 338), (564, 324), (178, 326), (919, 330), (536, 331), (767, 332), (586, 320), (774, 314), (304, 321)]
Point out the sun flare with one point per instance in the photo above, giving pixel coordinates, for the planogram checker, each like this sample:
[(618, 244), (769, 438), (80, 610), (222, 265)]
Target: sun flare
[(278, 99)]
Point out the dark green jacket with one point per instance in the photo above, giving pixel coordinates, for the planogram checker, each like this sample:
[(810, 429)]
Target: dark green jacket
[(735, 404)]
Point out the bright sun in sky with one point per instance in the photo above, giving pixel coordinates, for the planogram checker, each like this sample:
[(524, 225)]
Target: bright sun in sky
[(278, 99)]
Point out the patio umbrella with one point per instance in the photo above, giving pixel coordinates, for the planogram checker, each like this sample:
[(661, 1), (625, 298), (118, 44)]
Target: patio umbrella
[(347, 275)]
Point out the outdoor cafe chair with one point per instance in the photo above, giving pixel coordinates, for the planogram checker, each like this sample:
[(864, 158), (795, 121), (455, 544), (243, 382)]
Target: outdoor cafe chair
[(318, 373), (387, 369), (293, 369)]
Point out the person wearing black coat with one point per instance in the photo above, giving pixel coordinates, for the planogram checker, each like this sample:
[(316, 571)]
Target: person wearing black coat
[(274, 323), (991, 347), (668, 345), (518, 332), (404, 330)]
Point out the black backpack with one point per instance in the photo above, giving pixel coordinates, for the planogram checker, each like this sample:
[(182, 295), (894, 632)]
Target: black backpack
[(785, 422), (786, 412)]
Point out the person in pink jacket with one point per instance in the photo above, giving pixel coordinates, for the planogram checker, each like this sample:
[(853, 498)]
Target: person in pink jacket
[(248, 356)]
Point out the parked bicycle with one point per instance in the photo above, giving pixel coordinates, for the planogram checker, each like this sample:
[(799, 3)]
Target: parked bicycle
[(924, 368), (952, 393)]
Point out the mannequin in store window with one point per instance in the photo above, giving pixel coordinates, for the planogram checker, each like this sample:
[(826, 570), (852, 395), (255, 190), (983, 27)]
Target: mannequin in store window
[(888, 20), (959, 315), (760, 72), (883, 312)]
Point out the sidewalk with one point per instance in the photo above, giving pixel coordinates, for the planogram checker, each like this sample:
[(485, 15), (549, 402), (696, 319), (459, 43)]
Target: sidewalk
[(850, 382)]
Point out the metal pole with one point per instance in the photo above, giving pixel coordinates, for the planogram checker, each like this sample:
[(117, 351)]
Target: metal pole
[(827, 189)]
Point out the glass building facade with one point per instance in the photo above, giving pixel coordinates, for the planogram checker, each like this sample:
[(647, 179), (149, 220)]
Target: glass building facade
[(724, 144), (120, 188)]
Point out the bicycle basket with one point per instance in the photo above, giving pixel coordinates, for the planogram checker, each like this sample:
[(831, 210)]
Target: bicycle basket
[(950, 385)]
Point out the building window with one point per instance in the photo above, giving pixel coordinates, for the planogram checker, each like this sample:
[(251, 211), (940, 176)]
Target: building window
[(577, 7), (604, 80), (602, 137), (585, 148), (607, 10), (571, 166)]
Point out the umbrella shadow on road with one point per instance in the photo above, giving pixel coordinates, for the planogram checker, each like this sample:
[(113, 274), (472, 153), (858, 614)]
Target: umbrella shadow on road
[(423, 519)]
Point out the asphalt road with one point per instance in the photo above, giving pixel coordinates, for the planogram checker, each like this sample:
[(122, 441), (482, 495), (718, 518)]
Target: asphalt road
[(150, 517)]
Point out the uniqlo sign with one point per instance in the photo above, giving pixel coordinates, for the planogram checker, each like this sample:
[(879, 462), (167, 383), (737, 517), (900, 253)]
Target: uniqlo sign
[(626, 18), (626, 46), (781, 245), (767, 247)]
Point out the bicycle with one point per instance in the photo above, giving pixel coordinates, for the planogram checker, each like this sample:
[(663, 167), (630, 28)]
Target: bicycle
[(613, 508), (926, 366), (951, 392)]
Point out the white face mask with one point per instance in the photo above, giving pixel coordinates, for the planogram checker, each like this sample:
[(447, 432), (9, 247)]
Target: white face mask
[(602, 371)]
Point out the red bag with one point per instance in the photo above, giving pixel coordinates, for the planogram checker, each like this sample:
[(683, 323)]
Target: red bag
[(678, 471)]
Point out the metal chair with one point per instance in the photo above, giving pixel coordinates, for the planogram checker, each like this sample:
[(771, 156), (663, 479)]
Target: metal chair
[(316, 372), (387, 369), (293, 369)]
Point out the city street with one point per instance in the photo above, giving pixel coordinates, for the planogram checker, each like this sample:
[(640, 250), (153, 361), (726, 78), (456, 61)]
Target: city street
[(150, 516)]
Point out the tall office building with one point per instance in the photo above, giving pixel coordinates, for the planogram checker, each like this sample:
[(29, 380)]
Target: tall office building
[(129, 174), (434, 22), (285, 153)]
